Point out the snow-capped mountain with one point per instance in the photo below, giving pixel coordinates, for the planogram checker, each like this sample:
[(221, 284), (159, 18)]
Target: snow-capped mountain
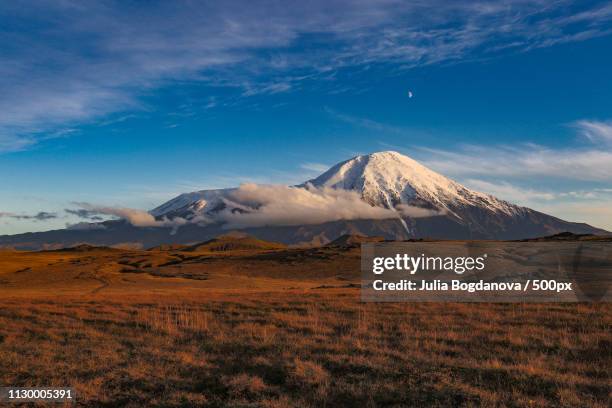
[(385, 194), (190, 204), (389, 178), (383, 179)]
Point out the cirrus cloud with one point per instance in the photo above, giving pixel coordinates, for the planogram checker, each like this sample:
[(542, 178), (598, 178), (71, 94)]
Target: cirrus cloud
[(67, 63), (522, 161), (595, 131)]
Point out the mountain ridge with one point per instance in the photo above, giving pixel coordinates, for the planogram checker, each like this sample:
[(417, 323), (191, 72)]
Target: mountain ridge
[(419, 203)]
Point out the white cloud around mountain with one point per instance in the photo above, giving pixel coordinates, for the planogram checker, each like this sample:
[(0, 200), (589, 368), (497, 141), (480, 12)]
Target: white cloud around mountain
[(282, 205), (272, 205), (138, 218)]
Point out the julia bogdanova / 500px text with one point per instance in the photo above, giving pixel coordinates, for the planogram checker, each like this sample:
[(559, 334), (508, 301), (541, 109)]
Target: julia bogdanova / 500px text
[(438, 285)]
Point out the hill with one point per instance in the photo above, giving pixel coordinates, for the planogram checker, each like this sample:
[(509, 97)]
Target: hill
[(233, 243)]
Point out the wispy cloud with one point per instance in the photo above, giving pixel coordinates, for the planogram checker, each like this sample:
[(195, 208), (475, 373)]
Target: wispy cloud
[(522, 161), (136, 217), (315, 167), (40, 216), (595, 131), (365, 123), (597, 213), (85, 214), (510, 192), (529, 196), (593, 206), (68, 63)]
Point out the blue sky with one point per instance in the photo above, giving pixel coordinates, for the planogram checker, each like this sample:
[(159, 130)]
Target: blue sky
[(128, 104)]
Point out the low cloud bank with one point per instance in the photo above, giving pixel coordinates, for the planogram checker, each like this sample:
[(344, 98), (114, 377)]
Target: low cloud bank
[(138, 218), (418, 212), (272, 205), (255, 205), (85, 214)]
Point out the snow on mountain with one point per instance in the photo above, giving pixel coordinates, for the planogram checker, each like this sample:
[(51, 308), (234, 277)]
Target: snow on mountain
[(195, 203), (423, 203), (389, 178), (383, 179)]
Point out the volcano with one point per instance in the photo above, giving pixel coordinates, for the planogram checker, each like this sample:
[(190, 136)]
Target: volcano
[(393, 196)]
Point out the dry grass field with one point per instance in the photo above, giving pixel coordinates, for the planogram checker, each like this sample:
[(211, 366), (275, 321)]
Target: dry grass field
[(276, 327)]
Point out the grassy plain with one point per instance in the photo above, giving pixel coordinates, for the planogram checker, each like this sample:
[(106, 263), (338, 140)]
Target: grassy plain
[(278, 327)]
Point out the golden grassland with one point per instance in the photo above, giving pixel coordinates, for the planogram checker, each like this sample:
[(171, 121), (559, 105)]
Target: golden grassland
[(280, 328)]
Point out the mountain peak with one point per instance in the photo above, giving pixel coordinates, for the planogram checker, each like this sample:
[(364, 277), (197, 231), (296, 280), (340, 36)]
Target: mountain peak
[(389, 178), (383, 179), (386, 155), (384, 166)]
